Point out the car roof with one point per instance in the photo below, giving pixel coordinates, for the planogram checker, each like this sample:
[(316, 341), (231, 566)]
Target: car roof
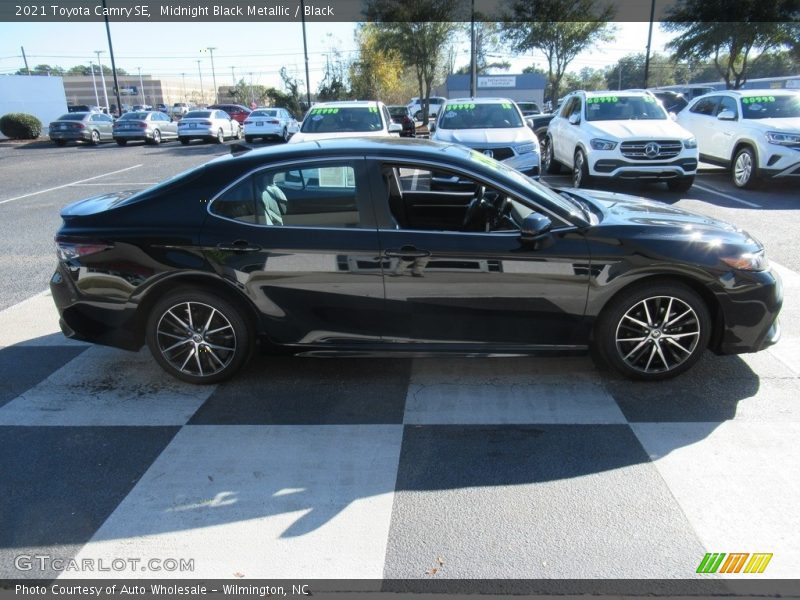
[(346, 103), (630, 92), (481, 100)]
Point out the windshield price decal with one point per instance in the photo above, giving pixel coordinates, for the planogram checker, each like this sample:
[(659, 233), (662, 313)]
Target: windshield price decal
[(600, 99), (324, 111), (758, 99), (467, 106)]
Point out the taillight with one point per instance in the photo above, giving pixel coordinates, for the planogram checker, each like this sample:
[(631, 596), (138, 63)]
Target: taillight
[(79, 126), (209, 123), (273, 121), (70, 248), (247, 122), (142, 125)]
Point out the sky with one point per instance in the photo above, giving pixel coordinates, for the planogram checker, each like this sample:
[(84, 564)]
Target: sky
[(260, 49)]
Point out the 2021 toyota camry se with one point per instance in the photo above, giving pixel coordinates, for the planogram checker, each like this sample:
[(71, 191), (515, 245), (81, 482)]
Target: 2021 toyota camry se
[(368, 246)]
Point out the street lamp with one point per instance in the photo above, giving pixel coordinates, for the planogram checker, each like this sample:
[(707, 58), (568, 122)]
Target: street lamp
[(102, 75), (141, 86), (94, 84), (213, 74), (183, 75)]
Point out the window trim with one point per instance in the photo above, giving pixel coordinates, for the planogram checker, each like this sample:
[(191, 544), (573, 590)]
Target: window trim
[(293, 162)]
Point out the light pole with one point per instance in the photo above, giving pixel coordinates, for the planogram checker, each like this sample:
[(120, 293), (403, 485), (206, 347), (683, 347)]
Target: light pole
[(94, 84), (202, 93), (305, 53), (141, 86), (649, 40), (102, 76), (183, 75), (233, 76), (213, 74)]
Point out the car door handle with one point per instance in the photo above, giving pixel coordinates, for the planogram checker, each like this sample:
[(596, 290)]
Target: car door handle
[(239, 246), (407, 252)]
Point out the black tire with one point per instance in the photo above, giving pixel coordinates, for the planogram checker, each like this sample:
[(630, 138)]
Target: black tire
[(121, 142), (156, 137), (240, 133), (285, 136), (206, 357), (60, 143), (680, 184), (94, 137), (220, 139), (549, 164), (648, 349), (744, 170), (183, 140), (580, 170), (248, 139)]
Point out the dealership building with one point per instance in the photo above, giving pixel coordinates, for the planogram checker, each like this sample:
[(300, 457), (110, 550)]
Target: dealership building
[(523, 86), (136, 90)]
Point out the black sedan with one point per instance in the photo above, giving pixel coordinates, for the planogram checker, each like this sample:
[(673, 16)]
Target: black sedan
[(403, 116), (403, 246)]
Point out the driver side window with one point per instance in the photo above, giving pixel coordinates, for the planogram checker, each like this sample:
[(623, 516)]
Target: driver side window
[(420, 198)]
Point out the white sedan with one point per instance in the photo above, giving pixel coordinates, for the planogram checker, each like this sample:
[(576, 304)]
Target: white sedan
[(270, 123), (354, 118), (214, 125)]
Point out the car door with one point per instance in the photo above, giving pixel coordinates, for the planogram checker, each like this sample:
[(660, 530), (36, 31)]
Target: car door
[(103, 124), (168, 126), (557, 131), (447, 283), (293, 238), (700, 119)]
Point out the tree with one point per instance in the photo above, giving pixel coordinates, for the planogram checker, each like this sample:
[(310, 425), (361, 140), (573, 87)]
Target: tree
[(560, 30), (334, 84), (418, 32), (487, 45), (42, 70), (377, 72), (629, 72), (750, 26)]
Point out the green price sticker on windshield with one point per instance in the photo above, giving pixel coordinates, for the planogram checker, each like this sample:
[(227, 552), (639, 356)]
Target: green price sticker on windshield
[(465, 106), (601, 99), (758, 99)]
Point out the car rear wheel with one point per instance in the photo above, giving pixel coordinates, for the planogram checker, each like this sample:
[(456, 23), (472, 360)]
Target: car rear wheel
[(198, 337), (121, 142), (653, 331), (680, 184), (94, 137), (183, 140), (551, 165), (744, 168), (220, 139), (60, 142), (248, 139), (580, 171)]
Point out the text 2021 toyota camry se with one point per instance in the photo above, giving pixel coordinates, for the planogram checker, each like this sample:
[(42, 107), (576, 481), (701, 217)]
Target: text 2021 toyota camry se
[(387, 245)]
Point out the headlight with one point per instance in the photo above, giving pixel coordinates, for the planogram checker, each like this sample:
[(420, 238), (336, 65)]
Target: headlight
[(690, 143), (525, 148), (749, 261), (784, 139), (598, 144)]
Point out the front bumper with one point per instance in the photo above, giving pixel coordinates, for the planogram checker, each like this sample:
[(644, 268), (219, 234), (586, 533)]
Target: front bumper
[(616, 167), (750, 305), (780, 162), (529, 163)]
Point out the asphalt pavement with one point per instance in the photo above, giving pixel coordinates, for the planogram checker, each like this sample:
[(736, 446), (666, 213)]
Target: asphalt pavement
[(418, 468)]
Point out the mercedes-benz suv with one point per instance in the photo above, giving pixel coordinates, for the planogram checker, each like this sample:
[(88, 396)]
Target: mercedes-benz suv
[(619, 135)]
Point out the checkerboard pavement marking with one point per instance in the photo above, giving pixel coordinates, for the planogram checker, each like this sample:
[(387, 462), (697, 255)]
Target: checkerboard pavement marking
[(368, 468)]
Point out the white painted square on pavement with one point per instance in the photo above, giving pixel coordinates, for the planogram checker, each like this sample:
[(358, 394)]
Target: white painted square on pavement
[(508, 391), (33, 322), (261, 502), (106, 386)]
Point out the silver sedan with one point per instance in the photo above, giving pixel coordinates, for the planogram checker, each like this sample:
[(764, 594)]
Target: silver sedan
[(152, 127), (208, 124)]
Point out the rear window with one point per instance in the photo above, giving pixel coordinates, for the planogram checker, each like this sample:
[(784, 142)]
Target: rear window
[(72, 117), (137, 116), (264, 113), (398, 111), (198, 114), (346, 119), (176, 180)]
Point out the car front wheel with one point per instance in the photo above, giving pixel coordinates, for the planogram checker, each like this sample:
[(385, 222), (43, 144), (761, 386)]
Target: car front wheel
[(156, 137), (95, 137), (220, 139), (580, 170), (653, 331), (744, 168), (198, 337), (551, 165)]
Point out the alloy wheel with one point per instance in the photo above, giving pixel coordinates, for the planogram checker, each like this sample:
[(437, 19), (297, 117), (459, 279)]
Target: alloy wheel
[(577, 170), (196, 339), (743, 169), (657, 334)]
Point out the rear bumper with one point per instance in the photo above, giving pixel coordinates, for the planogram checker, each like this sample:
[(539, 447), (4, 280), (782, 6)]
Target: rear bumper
[(92, 320), (71, 136), (205, 132)]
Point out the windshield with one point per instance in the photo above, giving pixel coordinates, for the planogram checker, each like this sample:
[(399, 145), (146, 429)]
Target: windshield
[(623, 108), (198, 114), (566, 204), (264, 113), (469, 115), (140, 116), (398, 111), (528, 106), (771, 107), (351, 118)]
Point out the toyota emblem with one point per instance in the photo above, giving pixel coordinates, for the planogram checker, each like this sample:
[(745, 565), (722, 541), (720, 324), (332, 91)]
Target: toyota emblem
[(651, 150), (489, 153)]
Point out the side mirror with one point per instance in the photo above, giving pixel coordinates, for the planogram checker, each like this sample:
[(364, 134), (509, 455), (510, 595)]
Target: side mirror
[(726, 115), (535, 228), (574, 119), (673, 116), (529, 122), (432, 127), (395, 128)]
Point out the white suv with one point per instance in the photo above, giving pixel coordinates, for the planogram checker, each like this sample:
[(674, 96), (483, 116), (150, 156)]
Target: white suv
[(343, 119), (435, 103), (619, 135), (755, 132)]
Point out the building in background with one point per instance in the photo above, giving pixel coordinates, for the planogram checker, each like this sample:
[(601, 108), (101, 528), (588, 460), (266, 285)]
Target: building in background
[(42, 97), (523, 86), (162, 90)]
